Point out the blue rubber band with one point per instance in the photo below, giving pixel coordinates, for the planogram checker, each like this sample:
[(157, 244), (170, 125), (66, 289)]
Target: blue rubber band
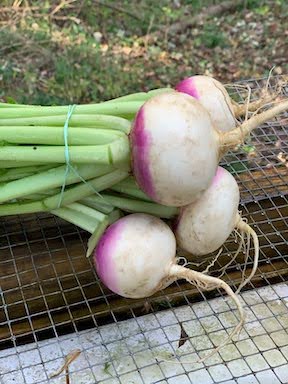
[(67, 158)]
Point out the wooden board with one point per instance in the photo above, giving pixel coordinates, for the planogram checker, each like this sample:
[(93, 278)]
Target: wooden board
[(49, 287)]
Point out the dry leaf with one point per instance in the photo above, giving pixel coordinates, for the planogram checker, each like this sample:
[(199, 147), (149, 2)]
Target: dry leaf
[(183, 336)]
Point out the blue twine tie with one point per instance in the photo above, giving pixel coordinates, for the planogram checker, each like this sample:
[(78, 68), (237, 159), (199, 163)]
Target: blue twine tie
[(67, 159)]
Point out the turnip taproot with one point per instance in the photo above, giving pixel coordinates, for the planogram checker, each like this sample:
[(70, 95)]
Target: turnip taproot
[(136, 257), (215, 98), (176, 149), (203, 226)]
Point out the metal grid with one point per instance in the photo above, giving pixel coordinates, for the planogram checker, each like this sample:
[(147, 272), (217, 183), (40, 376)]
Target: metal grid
[(136, 351), (49, 288)]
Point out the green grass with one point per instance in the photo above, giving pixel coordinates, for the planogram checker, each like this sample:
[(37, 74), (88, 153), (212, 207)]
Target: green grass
[(58, 58), (211, 37)]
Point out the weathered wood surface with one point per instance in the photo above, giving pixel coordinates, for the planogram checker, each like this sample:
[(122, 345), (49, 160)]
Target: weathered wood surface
[(45, 277)]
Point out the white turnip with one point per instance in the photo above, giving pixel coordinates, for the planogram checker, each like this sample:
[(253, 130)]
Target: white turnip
[(136, 257), (215, 98), (176, 148), (203, 226)]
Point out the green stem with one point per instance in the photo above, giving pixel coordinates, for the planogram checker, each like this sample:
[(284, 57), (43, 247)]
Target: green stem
[(86, 220), (140, 96), (130, 188), (18, 173), (39, 196), (115, 215), (22, 208), (93, 240), (101, 206), (122, 109), (84, 190), (132, 205), (76, 193), (158, 91), (19, 164), (87, 211), (52, 178), (80, 219), (56, 154), (76, 120), (55, 136), (108, 154)]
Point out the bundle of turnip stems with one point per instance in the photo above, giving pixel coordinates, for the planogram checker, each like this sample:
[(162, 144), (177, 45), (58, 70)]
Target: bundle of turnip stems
[(60, 160)]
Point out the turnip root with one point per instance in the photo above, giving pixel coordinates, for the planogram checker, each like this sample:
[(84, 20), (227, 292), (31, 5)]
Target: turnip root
[(135, 257), (203, 226), (176, 148), (215, 98)]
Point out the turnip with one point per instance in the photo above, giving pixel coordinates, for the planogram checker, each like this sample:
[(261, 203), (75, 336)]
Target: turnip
[(215, 98), (176, 148), (135, 257), (203, 226)]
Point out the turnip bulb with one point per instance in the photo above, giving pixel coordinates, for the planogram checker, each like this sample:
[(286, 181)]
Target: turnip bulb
[(175, 147), (136, 257), (214, 98), (133, 256), (169, 140), (203, 226)]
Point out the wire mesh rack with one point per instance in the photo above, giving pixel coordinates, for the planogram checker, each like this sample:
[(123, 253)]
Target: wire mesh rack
[(49, 289)]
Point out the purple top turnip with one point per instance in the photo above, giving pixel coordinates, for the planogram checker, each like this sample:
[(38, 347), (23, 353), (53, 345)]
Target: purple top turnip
[(213, 96), (136, 257), (170, 139), (176, 148)]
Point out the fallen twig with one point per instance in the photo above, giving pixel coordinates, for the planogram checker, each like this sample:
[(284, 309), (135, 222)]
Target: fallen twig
[(189, 21)]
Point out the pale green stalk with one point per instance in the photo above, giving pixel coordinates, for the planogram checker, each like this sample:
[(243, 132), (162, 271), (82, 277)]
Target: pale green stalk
[(76, 120), (116, 153), (140, 96), (130, 188), (71, 195), (81, 220), (50, 179), (122, 109), (19, 164), (54, 135), (93, 240), (133, 205), (77, 207), (101, 206), (18, 173)]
